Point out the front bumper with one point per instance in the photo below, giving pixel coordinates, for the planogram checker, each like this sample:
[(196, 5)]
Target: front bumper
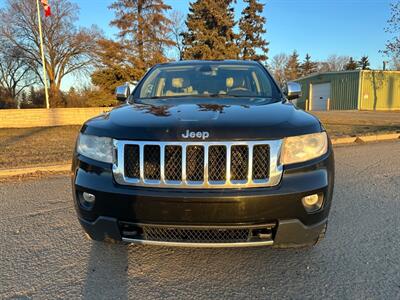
[(280, 205)]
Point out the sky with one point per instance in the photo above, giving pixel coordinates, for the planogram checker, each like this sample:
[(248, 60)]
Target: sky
[(318, 27)]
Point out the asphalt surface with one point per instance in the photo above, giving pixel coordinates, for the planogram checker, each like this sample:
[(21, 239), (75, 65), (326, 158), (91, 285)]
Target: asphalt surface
[(44, 254)]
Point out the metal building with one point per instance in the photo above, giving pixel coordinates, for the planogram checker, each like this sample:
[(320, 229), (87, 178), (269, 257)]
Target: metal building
[(351, 90)]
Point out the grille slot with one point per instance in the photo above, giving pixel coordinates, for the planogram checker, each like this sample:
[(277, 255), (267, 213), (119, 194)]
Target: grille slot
[(261, 162), (152, 162), (198, 164), (195, 163), (239, 162), (132, 162), (217, 163), (213, 235), (173, 163)]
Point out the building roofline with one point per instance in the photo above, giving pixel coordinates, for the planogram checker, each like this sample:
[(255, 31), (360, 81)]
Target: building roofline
[(345, 72), (323, 73), (383, 71)]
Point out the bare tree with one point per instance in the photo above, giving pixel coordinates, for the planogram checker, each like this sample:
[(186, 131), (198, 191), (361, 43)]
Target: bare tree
[(277, 66), (177, 27), (395, 63), (393, 46), (15, 73), (334, 63), (67, 49)]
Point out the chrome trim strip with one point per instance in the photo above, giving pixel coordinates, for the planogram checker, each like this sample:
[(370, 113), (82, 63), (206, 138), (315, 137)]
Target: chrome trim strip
[(250, 163), (198, 245), (162, 163), (228, 164), (275, 171), (206, 165), (184, 164), (141, 162)]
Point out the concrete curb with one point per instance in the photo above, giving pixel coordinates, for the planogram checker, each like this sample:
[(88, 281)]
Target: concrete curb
[(335, 141), (365, 138), (32, 170)]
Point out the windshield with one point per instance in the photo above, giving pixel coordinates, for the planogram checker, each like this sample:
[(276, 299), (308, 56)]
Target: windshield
[(207, 80)]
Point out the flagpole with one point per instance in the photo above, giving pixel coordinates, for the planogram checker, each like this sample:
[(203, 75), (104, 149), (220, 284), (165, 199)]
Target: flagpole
[(42, 52)]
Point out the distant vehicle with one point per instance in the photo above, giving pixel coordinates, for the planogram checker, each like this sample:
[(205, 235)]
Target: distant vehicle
[(205, 154)]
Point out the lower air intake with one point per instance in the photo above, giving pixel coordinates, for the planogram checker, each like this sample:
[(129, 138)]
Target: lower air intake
[(212, 235)]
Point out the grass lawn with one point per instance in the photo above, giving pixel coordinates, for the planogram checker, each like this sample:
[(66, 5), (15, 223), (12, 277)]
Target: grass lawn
[(54, 145), (24, 147), (339, 123)]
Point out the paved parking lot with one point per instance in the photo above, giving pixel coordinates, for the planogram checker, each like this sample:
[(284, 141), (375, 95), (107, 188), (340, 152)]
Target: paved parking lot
[(43, 253)]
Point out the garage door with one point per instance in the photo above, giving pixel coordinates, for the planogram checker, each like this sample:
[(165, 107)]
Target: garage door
[(320, 94)]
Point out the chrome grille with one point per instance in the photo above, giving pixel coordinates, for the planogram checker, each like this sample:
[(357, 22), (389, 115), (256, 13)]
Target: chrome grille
[(198, 164)]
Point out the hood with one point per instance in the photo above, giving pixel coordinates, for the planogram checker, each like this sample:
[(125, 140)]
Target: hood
[(225, 120)]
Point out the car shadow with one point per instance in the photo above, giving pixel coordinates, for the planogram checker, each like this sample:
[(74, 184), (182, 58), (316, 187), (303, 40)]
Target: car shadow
[(126, 271), (26, 133), (107, 265)]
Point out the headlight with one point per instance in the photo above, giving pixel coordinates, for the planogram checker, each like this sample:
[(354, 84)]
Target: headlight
[(96, 147), (301, 148)]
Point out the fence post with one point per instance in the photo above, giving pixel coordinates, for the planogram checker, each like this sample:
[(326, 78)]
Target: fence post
[(306, 106), (328, 104)]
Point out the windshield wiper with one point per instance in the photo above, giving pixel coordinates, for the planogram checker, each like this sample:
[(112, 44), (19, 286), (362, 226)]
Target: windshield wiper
[(224, 96), (169, 97), (235, 96)]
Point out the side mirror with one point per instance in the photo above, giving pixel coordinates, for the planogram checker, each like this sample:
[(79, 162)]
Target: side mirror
[(122, 92), (293, 90)]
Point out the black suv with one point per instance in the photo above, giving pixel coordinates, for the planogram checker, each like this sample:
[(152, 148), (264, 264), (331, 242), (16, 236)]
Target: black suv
[(205, 154)]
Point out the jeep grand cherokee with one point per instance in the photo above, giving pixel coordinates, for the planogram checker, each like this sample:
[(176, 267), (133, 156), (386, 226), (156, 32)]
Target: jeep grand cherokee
[(206, 154)]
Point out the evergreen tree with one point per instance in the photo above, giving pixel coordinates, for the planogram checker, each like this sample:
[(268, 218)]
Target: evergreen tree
[(210, 31), (293, 67), (351, 65), (143, 31), (115, 67), (251, 26), (308, 66), (363, 63)]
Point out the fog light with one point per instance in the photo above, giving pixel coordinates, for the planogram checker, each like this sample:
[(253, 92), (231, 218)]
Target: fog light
[(312, 202), (86, 200), (90, 198)]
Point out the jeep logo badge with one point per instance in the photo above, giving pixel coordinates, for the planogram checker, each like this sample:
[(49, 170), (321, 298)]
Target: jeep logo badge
[(196, 134)]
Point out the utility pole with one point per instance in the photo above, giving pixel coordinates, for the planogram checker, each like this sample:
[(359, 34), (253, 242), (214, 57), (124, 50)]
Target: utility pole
[(42, 52), (384, 65)]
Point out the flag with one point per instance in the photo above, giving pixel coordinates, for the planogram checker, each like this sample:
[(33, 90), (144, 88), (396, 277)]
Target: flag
[(46, 7)]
